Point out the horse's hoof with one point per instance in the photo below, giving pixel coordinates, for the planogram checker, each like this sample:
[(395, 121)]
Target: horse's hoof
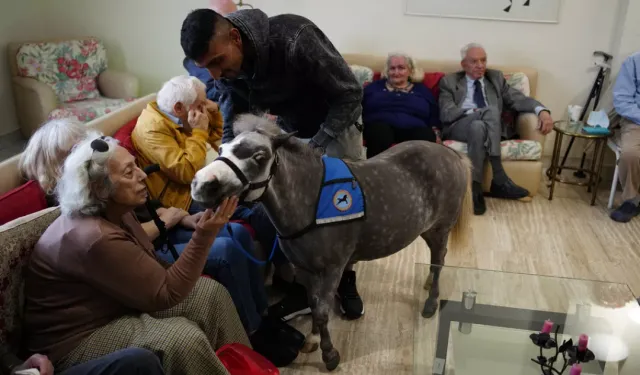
[(309, 347), (331, 359), (430, 308)]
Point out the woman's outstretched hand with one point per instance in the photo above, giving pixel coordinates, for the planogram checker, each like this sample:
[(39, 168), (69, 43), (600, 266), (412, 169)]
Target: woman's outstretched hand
[(211, 222)]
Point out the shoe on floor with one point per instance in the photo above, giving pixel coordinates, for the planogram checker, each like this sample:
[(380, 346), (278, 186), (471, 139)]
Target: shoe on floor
[(350, 302), (291, 306), (268, 345), (283, 333), (508, 190), (627, 211), (479, 206)]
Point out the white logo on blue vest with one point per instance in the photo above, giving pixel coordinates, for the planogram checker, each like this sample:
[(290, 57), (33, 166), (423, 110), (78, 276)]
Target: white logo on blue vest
[(341, 198)]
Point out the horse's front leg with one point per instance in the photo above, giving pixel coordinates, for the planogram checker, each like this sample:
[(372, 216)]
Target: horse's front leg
[(437, 242), (328, 286)]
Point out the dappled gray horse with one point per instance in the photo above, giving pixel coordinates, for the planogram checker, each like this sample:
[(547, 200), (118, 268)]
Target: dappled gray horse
[(413, 189)]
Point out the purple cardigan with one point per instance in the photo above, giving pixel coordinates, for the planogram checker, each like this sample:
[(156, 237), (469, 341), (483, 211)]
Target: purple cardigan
[(417, 108)]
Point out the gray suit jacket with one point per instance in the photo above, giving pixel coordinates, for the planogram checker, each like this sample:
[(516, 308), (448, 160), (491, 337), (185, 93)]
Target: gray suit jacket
[(453, 91)]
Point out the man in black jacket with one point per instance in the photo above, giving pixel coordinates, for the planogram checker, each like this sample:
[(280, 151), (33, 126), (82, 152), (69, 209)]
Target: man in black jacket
[(285, 66)]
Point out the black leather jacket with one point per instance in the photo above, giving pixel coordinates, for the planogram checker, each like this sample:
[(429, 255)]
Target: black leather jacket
[(293, 72)]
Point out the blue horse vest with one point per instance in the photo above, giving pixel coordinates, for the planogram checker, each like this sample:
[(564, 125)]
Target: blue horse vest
[(341, 199)]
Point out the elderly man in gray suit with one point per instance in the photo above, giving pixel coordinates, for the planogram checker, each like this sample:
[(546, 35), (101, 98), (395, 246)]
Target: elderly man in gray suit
[(471, 103)]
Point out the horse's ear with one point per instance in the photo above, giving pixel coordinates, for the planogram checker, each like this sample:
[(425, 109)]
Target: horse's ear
[(281, 139)]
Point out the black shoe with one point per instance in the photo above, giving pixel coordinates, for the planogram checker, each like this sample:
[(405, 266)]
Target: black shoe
[(266, 343), (283, 333), (290, 306), (350, 302), (508, 190), (479, 207), (627, 211)]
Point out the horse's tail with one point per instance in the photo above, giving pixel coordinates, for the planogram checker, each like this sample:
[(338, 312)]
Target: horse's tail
[(461, 230)]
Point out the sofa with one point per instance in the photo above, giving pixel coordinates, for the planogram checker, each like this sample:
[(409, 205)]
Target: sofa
[(522, 157), (65, 79)]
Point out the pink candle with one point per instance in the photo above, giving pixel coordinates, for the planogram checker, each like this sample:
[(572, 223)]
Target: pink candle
[(576, 369), (547, 326), (583, 340)]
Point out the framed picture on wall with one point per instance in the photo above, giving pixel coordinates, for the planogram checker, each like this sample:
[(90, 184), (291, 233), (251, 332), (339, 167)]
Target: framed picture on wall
[(545, 11)]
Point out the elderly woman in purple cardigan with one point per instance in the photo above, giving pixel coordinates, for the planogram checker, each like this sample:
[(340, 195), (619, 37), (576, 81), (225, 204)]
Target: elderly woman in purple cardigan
[(398, 108)]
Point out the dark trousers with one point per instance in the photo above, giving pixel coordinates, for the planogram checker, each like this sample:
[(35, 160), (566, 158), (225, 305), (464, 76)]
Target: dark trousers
[(131, 361), (482, 131), (380, 136)]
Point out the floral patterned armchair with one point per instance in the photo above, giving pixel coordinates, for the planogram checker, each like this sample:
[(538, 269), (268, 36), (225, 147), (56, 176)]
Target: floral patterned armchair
[(65, 79)]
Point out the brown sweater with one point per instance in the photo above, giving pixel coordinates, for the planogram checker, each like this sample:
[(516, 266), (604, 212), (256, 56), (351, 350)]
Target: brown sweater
[(86, 272)]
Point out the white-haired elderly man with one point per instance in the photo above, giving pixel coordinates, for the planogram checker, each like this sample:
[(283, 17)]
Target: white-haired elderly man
[(173, 132), (471, 103)]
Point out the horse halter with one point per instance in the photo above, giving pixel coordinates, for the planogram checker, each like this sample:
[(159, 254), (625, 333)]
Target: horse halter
[(247, 185)]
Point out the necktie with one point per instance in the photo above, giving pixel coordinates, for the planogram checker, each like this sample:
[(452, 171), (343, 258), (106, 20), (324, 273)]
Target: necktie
[(478, 96)]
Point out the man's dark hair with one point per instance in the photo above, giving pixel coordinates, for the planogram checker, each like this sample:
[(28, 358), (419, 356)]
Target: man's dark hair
[(198, 29)]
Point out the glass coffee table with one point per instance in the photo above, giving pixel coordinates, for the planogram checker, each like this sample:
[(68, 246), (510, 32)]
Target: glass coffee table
[(485, 320)]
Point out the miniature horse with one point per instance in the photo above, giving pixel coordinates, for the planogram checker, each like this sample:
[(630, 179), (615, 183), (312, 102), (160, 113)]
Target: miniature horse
[(413, 189)]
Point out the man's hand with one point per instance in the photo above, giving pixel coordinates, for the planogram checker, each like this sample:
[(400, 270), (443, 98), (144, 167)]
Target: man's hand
[(173, 216), (211, 106), (546, 122), (39, 362), (198, 119), (191, 221)]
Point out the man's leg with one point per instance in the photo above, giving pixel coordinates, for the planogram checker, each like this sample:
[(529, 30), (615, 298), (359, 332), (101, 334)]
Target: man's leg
[(130, 361), (379, 137), (629, 165), (473, 131), (349, 146)]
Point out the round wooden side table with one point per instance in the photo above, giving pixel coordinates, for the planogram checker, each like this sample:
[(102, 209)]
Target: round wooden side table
[(574, 130)]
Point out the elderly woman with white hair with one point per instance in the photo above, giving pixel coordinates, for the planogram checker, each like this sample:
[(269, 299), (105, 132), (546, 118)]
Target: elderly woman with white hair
[(94, 285), (399, 107)]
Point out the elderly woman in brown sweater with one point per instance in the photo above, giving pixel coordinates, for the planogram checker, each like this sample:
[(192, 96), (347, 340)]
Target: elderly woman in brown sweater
[(94, 285)]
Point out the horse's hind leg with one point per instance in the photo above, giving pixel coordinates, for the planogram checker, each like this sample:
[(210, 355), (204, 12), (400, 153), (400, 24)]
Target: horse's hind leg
[(437, 241)]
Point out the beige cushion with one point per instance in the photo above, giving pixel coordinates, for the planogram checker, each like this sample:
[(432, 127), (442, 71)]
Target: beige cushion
[(18, 238)]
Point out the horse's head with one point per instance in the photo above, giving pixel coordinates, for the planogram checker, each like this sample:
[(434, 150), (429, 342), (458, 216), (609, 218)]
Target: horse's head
[(245, 165)]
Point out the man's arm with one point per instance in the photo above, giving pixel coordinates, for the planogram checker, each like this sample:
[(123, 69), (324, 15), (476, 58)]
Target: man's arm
[(624, 91), (316, 59), (230, 105), (449, 111), (179, 164), (516, 100)]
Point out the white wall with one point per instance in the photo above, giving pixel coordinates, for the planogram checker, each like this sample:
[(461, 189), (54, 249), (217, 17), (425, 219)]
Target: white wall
[(20, 20), (147, 44)]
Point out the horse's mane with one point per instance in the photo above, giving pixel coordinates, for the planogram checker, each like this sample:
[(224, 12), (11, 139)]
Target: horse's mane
[(263, 125)]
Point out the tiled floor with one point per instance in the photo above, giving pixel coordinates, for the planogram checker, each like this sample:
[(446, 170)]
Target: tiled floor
[(11, 144)]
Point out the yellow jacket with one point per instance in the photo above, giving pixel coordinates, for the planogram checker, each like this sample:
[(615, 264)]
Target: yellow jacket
[(158, 140)]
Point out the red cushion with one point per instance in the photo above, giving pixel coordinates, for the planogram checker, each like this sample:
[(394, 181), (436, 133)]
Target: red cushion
[(22, 201), (239, 359), (431, 80), (124, 136)]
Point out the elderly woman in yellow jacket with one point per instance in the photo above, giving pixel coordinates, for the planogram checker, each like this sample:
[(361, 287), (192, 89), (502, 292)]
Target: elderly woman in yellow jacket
[(175, 132)]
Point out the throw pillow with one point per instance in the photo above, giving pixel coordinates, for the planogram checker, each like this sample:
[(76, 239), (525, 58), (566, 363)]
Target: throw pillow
[(123, 135), (363, 74), (22, 201), (519, 81)]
